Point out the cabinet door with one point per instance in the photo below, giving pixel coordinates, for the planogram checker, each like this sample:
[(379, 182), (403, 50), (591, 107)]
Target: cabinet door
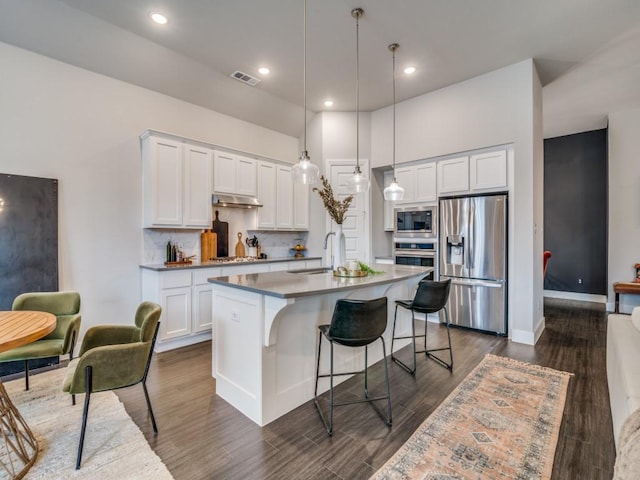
[(202, 308), (453, 175), (488, 170), (300, 206), (284, 198), (426, 182), (246, 176), (198, 166), (162, 182), (388, 217), (224, 173), (266, 217), (407, 180), (176, 312)]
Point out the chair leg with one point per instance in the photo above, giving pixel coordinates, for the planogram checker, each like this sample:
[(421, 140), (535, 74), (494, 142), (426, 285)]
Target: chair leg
[(327, 425), (330, 428), (88, 382), (400, 363), (153, 418), (386, 379), (73, 399), (26, 375), (366, 371), (448, 366)]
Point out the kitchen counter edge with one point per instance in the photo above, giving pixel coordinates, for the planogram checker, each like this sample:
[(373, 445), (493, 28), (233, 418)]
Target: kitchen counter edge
[(159, 267)]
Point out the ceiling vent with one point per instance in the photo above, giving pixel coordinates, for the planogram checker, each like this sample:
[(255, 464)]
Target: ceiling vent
[(245, 78)]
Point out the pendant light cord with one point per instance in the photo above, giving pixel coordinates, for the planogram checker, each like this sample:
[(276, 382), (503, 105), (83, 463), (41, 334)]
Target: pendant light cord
[(393, 56), (304, 80), (358, 13)]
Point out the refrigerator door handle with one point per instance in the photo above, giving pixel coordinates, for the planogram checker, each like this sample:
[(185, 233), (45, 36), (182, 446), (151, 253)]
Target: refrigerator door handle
[(479, 283)]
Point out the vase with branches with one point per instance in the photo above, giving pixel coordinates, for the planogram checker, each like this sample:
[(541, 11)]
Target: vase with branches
[(335, 208)]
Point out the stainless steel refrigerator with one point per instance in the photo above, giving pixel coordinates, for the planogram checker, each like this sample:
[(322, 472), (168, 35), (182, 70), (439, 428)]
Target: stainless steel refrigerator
[(473, 246)]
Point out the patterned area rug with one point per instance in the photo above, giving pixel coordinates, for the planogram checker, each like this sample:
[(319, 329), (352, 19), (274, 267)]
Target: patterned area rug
[(502, 421), (114, 447)]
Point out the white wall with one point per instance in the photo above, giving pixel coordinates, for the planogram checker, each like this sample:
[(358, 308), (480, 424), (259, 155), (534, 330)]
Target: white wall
[(63, 122), (624, 202), (500, 107)]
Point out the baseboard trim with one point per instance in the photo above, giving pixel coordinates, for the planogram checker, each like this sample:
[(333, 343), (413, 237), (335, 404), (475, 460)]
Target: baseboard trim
[(583, 297), (527, 337)]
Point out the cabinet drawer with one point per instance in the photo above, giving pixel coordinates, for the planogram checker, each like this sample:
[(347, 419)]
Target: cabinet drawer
[(176, 279), (200, 275)]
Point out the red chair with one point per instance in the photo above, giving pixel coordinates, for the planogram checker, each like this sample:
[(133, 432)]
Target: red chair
[(546, 255)]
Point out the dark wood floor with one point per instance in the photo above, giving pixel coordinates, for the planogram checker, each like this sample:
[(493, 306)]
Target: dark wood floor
[(202, 437)]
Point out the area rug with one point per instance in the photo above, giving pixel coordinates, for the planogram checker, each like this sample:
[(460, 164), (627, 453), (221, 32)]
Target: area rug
[(114, 448), (502, 421)]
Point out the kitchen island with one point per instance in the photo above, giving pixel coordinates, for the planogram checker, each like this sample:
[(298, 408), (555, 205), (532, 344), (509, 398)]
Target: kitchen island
[(265, 332)]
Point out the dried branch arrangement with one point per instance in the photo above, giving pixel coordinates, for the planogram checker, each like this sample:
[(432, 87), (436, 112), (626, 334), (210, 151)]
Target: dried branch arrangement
[(335, 208)]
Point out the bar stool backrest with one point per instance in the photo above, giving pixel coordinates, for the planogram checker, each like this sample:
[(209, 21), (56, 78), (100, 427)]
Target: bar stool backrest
[(431, 296), (356, 323)]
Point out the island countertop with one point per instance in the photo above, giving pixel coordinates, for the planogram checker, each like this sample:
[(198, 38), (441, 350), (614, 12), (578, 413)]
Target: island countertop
[(310, 282)]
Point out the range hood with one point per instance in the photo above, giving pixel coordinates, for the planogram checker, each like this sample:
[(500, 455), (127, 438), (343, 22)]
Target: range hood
[(234, 201)]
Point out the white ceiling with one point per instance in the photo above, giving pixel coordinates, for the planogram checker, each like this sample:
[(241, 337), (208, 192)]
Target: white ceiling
[(587, 51)]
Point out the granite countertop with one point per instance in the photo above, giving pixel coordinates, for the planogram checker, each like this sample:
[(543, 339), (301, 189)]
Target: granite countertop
[(161, 267), (310, 282)]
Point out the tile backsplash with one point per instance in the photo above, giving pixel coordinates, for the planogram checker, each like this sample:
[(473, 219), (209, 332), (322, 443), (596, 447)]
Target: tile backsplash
[(274, 244)]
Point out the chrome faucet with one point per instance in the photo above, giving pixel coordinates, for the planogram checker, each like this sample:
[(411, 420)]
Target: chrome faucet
[(326, 241), (326, 238)]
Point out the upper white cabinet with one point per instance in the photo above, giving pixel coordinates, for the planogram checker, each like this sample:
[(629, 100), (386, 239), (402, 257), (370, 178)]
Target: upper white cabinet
[(176, 183), (284, 198), (300, 206), (234, 174), (285, 205), (488, 170), (266, 216), (419, 183), (453, 175)]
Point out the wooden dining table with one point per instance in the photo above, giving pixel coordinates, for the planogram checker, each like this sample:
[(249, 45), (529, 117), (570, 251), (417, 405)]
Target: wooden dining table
[(18, 328)]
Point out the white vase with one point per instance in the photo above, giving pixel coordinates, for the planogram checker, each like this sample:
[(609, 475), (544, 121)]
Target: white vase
[(339, 254)]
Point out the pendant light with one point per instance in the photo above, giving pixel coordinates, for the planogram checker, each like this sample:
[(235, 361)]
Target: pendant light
[(394, 191), (304, 171), (358, 182)]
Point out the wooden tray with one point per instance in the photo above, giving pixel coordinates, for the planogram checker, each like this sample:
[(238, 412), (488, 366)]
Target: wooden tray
[(175, 264), (344, 273)]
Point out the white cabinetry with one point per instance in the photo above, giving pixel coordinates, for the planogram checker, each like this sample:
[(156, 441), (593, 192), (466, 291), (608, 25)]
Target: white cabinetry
[(285, 205), (488, 170), (419, 183), (284, 198), (453, 175), (234, 174), (266, 216), (176, 183)]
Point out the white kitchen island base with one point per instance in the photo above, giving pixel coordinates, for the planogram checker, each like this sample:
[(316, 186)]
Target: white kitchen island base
[(265, 334)]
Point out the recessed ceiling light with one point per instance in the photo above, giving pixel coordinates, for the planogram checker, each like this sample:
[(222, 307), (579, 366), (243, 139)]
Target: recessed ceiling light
[(328, 103), (158, 18), (409, 70), (264, 70)]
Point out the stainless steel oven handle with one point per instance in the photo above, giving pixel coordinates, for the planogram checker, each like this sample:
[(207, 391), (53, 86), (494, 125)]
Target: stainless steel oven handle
[(414, 253)]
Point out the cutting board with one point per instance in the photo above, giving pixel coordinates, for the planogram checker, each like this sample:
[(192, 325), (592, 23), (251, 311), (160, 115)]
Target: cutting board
[(208, 245), (240, 252), (221, 229)]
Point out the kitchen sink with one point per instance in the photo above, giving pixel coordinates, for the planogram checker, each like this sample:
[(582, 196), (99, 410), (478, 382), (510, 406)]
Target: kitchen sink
[(312, 271)]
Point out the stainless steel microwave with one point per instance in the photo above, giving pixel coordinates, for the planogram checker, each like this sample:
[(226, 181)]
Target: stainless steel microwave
[(416, 220)]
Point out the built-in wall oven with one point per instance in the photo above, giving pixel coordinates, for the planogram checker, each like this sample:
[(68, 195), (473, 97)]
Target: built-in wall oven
[(415, 240)]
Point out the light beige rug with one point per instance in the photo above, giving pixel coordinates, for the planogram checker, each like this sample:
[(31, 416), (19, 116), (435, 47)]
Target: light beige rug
[(114, 447), (502, 421)]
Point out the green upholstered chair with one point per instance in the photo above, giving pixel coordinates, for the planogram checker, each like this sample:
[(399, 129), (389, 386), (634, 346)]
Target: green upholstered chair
[(112, 357), (65, 306)]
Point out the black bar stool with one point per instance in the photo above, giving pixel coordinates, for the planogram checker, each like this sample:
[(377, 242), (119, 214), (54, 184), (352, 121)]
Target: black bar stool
[(431, 297), (355, 323)]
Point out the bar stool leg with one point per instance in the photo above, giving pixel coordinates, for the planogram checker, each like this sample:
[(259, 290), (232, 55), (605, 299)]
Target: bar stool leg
[(448, 366), (386, 379), (366, 379), (400, 363)]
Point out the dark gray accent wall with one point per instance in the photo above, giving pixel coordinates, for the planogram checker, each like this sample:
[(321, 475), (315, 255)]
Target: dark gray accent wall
[(575, 212)]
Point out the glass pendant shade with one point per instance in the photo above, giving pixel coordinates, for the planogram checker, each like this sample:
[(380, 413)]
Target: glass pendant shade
[(394, 192), (358, 182), (304, 171)]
